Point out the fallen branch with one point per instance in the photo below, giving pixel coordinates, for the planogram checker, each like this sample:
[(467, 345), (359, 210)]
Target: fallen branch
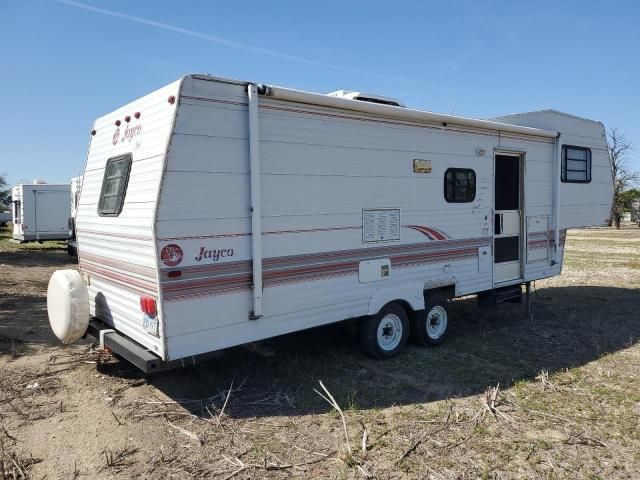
[(490, 403), (332, 401), (185, 432), (417, 443), (117, 419), (118, 459), (365, 436), (225, 402)]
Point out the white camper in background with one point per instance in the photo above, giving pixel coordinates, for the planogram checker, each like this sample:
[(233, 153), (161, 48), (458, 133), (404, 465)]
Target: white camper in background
[(635, 211), (40, 211), (217, 212)]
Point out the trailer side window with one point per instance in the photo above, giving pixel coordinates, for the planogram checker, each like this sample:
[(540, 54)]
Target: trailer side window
[(114, 186), (576, 164), (459, 185)]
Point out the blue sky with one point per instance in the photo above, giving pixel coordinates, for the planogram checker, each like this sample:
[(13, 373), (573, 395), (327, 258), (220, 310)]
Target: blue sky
[(63, 65)]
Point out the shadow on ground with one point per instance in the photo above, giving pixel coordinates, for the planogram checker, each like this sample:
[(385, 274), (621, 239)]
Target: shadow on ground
[(50, 257), (23, 324), (571, 326)]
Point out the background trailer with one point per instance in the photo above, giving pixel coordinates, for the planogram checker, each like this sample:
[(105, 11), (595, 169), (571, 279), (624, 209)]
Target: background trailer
[(40, 212), (216, 212)]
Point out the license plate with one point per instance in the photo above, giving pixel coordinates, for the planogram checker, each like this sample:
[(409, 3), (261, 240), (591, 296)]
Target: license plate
[(150, 325)]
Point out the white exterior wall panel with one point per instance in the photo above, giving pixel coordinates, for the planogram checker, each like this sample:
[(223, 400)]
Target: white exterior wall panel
[(317, 176), (119, 253)]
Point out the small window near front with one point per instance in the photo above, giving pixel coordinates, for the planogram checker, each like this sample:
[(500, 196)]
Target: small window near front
[(576, 164), (459, 185), (114, 186)]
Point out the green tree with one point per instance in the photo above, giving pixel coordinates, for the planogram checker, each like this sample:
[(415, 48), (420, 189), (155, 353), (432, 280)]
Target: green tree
[(629, 196), (5, 191)]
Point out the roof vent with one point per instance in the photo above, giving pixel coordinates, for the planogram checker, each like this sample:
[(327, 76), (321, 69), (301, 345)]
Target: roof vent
[(366, 97), (39, 181)]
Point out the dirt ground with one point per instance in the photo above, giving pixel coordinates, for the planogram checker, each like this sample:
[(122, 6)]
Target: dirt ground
[(557, 396)]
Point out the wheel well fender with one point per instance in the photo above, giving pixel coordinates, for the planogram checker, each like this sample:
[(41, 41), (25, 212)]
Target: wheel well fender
[(411, 294)]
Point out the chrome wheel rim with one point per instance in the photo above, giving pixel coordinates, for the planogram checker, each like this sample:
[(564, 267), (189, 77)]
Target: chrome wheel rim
[(389, 332), (436, 322)]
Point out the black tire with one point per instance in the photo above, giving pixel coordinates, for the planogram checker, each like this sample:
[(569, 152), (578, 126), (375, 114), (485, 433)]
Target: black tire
[(396, 324), (430, 327)]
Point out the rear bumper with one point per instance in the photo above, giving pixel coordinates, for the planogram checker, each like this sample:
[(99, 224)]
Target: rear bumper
[(138, 355), (131, 351)]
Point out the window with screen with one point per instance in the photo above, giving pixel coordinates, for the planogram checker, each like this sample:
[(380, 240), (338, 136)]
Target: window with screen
[(576, 164), (459, 185), (114, 186)]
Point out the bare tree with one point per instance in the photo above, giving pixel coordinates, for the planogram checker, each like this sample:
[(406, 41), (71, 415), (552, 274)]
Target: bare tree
[(622, 174)]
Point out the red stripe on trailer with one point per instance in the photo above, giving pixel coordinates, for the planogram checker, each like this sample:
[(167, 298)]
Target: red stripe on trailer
[(429, 232), (222, 280), (125, 285), (125, 266)]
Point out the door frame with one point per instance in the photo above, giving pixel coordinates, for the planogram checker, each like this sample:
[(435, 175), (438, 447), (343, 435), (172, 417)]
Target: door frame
[(521, 156)]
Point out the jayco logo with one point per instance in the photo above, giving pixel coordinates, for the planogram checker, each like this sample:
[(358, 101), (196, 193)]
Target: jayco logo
[(214, 255), (171, 255), (131, 132)]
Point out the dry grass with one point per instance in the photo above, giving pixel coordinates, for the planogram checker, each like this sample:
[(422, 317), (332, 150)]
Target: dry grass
[(6, 245), (555, 397)]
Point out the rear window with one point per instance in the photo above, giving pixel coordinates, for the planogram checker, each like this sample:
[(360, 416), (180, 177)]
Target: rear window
[(114, 186)]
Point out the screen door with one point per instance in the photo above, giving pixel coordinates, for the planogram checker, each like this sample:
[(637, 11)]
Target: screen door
[(508, 218)]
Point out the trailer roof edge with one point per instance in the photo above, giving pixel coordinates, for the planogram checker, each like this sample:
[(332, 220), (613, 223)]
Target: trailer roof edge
[(400, 112)]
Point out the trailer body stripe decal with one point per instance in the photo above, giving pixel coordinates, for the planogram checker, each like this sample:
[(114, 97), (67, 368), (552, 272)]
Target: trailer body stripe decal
[(234, 276), (544, 239), (220, 278)]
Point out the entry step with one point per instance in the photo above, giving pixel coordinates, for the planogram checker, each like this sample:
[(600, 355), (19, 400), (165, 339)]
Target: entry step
[(493, 298)]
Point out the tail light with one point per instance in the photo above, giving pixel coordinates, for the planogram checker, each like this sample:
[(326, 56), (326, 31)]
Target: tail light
[(148, 305)]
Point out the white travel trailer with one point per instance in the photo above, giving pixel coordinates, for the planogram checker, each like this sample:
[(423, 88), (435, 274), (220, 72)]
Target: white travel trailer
[(40, 211), (217, 212)]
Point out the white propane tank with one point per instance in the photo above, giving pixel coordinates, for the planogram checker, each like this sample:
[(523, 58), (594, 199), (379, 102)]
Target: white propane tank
[(68, 305)]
